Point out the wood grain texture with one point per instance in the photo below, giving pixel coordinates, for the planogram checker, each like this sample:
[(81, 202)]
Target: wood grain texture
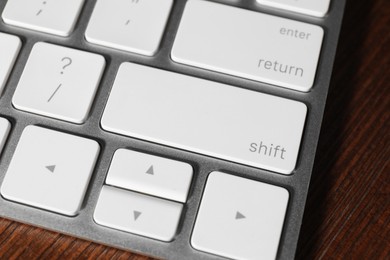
[(348, 210), (347, 215)]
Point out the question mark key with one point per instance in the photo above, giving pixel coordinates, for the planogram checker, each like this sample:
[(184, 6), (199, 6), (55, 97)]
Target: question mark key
[(59, 82), (67, 61)]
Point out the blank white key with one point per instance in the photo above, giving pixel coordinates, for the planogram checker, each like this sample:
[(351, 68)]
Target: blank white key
[(240, 218), (9, 46), (316, 8), (136, 213), (5, 127), (205, 117), (50, 16), (59, 82), (150, 174), (130, 25), (248, 44), (50, 170)]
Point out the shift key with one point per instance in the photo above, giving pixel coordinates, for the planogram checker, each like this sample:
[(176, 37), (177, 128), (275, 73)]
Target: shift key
[(205, 117), (248, 44)]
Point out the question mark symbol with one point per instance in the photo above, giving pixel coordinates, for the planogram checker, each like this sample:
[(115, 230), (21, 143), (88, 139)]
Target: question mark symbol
[(67, 63)]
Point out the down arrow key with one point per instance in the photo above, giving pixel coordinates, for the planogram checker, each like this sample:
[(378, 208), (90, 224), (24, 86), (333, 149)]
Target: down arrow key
[(51, 168)]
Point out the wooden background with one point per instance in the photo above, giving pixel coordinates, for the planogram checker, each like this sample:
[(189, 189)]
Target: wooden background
[(348, 210)]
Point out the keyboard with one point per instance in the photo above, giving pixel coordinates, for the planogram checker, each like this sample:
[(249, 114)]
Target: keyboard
[(179, 129)]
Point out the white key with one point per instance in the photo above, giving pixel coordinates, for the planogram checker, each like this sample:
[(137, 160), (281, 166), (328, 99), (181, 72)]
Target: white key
[(205, 117), (50, 16), (9, 46), (316, 8), (50, 170), (59, 82), (136, 213), (240, 218), (129, 25), (150, 174), (248, 44), (5, 127)]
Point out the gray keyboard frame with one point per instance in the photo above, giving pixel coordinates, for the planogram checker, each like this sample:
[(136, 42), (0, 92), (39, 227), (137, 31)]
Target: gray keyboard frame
[(83, 225)]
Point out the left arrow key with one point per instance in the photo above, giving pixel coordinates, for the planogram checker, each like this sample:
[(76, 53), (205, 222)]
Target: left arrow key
[(43, 175)]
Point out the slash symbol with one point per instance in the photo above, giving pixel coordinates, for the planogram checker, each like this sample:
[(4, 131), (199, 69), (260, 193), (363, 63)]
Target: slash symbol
[(55, 91)]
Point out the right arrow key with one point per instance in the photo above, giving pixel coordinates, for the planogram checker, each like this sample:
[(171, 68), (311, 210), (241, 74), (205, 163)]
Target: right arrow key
[(239, 215), (240, 218)]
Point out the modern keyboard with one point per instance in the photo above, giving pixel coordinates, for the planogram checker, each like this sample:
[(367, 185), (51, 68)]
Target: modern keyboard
[(179, 129)]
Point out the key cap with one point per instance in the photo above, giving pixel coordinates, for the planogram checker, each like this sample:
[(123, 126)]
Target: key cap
[(136, 213), (9, 46), (59, 82), (316, 8), (49, 16), (5, 127), (50, 170), (129, 25), (240, 218), (150, 174), (248, 44), (205, 117)]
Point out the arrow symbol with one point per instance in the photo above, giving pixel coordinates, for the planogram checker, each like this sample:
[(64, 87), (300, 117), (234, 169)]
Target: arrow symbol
[(150, 170), (239, 215), (51, 168), (136, 214)]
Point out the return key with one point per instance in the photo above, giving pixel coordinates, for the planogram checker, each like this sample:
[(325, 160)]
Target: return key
[(248, 44)]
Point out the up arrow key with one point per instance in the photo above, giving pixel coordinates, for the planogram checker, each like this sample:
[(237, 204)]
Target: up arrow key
[(51, 168), (239, 215), (150, 170)]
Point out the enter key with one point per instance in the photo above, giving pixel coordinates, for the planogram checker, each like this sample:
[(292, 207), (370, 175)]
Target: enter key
[(248, 44)]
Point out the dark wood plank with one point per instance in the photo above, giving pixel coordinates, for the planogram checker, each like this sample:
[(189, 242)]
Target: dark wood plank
[(348, 210)]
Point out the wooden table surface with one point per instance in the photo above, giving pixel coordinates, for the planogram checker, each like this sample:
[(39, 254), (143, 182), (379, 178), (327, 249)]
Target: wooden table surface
[(348, 209)]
